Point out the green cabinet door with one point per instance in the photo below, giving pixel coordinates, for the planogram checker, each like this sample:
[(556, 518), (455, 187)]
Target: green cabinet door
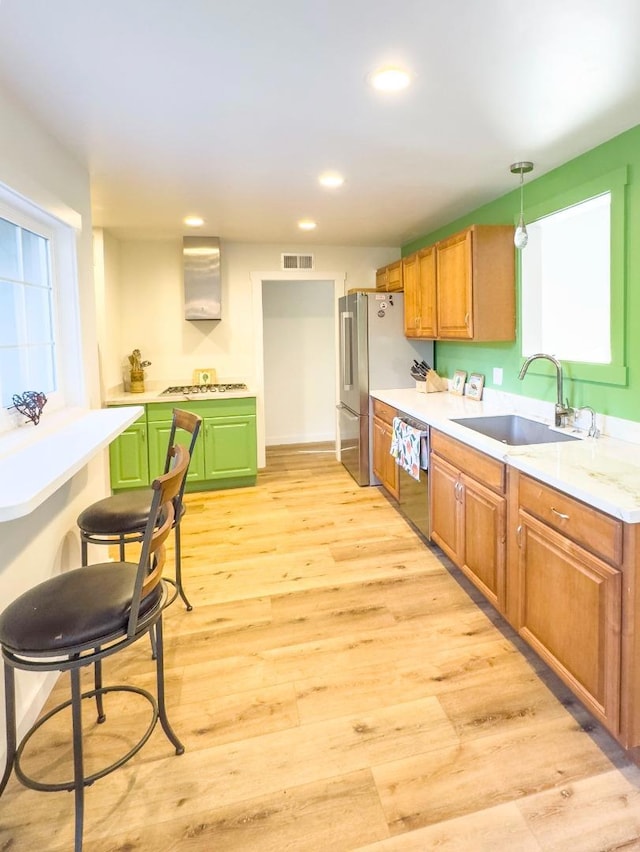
[(230, 447), (159, 431), (129, 459)]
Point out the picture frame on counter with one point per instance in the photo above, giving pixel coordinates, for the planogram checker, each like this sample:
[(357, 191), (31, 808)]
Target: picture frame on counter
[(476, 385), (206, 376), (457, 383)]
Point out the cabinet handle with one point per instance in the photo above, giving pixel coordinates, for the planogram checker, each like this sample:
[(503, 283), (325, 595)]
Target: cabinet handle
[(519, 536), (560, 514), (466, 318)]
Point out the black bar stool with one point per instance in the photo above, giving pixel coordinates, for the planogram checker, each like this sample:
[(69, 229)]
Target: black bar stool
[(122, 518), (79, 618)]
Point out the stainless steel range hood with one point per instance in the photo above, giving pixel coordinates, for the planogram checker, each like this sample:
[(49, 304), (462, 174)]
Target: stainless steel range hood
[(202, 285)]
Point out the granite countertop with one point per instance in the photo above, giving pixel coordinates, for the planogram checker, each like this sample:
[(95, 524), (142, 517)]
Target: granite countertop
[(603, 472)]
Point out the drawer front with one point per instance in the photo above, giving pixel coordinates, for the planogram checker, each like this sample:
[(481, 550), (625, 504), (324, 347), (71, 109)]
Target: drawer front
[(594, 530), (385, 412), (230, 407), (488, 471)]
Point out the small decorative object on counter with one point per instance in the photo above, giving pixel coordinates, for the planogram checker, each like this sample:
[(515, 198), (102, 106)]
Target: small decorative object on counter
[(476, 384), (457, 383), (30, 403), (207, 376), (137, 371)]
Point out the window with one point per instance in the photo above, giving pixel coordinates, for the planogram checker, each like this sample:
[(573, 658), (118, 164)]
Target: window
[(573, 283), (27, 341), (566, 283), (40, 344)]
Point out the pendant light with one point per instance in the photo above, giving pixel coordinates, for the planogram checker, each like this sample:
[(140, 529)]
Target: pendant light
[(521, 238)]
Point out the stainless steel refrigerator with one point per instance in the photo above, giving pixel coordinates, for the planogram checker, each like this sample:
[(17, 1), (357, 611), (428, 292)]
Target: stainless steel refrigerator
[(374, 355)]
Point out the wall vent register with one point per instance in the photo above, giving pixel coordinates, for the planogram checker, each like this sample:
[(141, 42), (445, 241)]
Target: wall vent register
[(297, 261)]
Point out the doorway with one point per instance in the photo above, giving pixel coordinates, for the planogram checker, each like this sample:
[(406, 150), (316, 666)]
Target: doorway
[(295, 308)]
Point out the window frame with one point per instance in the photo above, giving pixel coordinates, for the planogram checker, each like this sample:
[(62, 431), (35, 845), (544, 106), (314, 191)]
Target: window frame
[(614, 182)]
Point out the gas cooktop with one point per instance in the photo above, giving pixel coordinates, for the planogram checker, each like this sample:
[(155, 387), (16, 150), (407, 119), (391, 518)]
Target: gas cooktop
[(196, 389)]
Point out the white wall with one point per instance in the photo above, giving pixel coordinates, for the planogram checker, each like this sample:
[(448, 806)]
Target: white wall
[(152, 305), (299, 361), (108, 288), (46, 541)]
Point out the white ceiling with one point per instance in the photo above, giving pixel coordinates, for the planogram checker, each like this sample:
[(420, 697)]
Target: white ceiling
[(232, 108)]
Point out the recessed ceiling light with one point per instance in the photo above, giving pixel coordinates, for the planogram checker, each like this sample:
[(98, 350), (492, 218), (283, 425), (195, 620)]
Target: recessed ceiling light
[(193, 221), (306, 225), (390, 79), (331, 179)]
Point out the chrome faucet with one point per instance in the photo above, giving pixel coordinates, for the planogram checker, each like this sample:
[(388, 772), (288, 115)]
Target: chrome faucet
[(562, 409), (593, 432)]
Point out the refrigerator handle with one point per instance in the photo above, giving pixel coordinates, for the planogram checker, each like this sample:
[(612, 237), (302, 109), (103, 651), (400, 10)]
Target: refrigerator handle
[(347, 349)]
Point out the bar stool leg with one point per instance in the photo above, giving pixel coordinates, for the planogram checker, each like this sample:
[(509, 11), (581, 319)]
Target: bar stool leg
[(10, 713), (179, 585), (78, 767), (162, 710), (97, 680), (84, 555)]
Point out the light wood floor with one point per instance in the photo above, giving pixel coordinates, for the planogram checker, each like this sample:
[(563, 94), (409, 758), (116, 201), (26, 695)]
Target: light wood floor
[(336, 688)]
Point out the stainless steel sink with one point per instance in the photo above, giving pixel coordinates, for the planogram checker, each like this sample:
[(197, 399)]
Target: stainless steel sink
[(514, 430)]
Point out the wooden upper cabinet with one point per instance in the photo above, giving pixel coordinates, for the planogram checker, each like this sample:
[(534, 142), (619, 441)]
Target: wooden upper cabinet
[(475, 272), (395, 283), (419, 276), (411, 296), (389, 278), (462, 288), (382, 279), (455, 305), (428, 298)]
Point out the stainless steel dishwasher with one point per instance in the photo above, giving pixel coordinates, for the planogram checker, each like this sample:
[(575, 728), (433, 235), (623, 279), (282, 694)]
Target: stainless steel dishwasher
[(413, 499)]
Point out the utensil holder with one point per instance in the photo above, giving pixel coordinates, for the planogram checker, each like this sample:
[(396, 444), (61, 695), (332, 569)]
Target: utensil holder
[(137, 381)]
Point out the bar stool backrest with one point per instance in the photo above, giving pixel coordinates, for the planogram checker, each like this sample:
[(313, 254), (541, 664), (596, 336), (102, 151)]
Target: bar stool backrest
[(166, 489), (191, 423)]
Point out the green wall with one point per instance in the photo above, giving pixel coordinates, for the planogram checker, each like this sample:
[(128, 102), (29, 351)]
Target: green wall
[(617, 400)]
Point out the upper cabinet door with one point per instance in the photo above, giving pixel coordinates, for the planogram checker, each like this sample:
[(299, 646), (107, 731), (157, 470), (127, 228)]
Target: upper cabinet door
[(428, 292), (455, 286), (410, 278), (419, 277)]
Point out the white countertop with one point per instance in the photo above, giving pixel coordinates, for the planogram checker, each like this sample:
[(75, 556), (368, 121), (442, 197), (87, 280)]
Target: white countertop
[(603, 472), (36, 460)]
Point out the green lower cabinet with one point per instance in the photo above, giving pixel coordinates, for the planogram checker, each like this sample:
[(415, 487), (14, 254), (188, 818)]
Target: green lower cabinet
[(129, 457), (225, 454), (230, 447), (158, 440)]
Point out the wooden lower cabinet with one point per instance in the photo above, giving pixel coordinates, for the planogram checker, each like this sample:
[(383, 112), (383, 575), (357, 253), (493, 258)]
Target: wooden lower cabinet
[(384, 464), (570, 606), (468, 517)]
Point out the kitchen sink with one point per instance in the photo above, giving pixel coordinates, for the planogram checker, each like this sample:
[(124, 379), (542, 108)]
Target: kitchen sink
[(514, 430)]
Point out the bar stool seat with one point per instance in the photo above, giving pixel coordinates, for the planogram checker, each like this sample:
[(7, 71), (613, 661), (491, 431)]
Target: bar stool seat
[(78, 608), (126, 512)]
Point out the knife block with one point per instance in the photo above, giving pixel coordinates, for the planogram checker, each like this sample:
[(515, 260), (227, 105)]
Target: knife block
[(433, 383)]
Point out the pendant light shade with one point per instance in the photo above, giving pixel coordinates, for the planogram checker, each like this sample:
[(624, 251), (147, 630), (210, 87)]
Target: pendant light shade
[(521, 238)]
